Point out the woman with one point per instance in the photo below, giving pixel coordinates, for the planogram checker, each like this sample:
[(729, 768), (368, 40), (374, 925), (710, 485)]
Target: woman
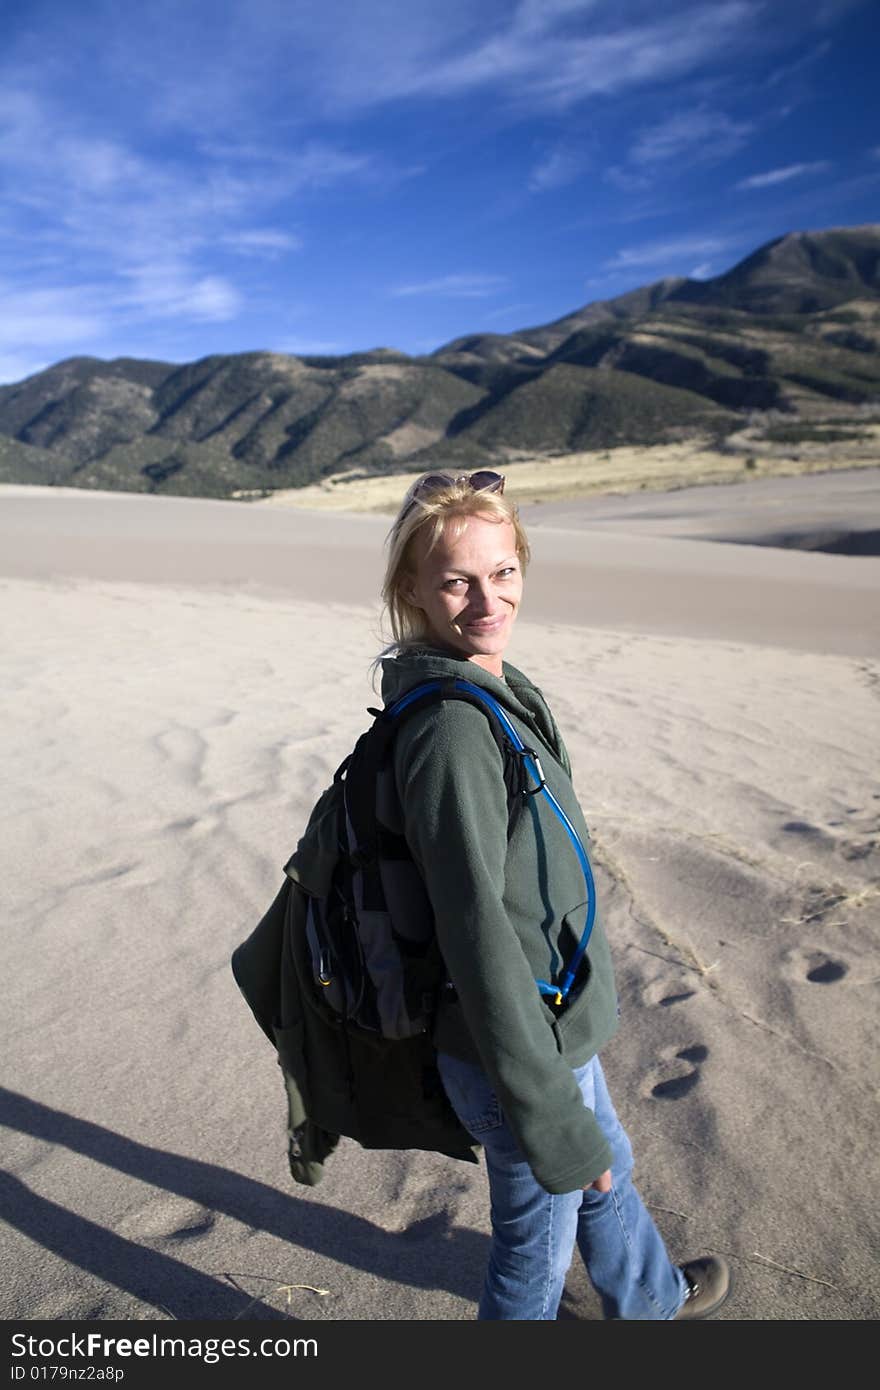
[(520, 1067)]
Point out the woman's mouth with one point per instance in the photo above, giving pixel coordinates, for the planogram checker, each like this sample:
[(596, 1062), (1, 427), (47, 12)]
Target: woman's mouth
[(485, 625)]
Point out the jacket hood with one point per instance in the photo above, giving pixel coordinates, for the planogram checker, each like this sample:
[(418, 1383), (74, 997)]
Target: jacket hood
[(515, 691), (415, 664)]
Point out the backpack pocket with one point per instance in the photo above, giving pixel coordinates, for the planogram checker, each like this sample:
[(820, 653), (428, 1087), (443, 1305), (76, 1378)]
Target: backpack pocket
[(289, 1042), (337, 962), (401, 1006)]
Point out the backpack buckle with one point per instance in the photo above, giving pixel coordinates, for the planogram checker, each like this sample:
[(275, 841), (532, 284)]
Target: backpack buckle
[(523, 754)]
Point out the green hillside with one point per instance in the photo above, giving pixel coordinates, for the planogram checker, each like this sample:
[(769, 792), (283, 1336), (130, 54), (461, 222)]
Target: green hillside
[(790, 337)]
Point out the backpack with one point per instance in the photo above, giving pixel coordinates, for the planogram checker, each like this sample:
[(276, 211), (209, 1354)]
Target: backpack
[(343, 972), (375, 963)]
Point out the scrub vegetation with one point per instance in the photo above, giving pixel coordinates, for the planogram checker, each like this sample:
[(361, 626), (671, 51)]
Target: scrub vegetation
[(781, 351)]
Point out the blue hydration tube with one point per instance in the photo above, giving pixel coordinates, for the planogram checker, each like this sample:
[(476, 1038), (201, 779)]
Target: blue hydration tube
[(533, 764)]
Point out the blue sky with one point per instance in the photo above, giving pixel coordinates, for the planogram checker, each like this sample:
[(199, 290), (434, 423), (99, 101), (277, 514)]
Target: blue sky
[(184, 177)]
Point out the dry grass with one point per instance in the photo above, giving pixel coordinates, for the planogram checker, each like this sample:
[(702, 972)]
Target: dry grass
[(627, 469)]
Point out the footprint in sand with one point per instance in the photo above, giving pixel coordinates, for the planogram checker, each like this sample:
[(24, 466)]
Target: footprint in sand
[(667, 992), (827, 972), (676, 998), (168, 1218), (860, 838), (865, 825), (803, 827), (814, 966), (106, 875), (185, 749), (195, 827), (679, 1073), (80, 1305)]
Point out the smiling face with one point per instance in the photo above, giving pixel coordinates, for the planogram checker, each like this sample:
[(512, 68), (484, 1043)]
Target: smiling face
[(469, 588)]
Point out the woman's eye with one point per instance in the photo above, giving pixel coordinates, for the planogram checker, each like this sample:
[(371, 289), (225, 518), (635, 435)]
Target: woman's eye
[(506, 572)]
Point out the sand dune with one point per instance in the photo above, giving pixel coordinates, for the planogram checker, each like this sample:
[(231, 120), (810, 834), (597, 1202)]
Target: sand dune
[(179, 689), (608, 565)]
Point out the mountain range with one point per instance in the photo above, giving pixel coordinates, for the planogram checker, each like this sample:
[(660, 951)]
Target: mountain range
[(789, 336)]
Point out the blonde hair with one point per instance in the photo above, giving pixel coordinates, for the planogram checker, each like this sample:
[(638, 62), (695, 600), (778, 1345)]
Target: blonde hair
[(443, 509)]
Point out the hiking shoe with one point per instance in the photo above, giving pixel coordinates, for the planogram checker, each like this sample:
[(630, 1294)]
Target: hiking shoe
[(709, 1282)]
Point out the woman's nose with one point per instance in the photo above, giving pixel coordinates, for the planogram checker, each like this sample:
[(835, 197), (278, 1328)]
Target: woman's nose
[(482, 598)]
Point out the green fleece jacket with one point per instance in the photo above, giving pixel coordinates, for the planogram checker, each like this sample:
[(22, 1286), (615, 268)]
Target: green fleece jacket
[(508, 911)]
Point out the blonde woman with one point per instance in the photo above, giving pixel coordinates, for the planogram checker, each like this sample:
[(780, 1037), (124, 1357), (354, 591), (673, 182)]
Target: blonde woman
[(518, 1061)]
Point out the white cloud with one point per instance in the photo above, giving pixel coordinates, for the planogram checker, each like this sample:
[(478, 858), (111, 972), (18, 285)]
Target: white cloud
[(209, 299), (297, 63), (149, 229), (41, 325), (334, 59), (16, 366), (556, 169), (506, 312), (46, 323), (783, 175), (259, 58), (627, 180), (50, 317), (789, 70), (313, 347), (455, 287), (98, 167), (552, 66), (171, 291), (318, 165), (264, 242), (698, 134), (666, 253)]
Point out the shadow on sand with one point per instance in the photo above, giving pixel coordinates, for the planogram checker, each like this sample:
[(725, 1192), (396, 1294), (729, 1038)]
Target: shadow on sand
[(428, 1255)]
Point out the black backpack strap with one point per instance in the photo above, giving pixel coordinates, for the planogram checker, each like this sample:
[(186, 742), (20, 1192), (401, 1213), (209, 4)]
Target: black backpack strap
[(516, 781), (359, 804), (372, 752)]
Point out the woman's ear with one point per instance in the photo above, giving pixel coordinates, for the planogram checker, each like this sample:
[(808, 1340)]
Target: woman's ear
[(408, 589)]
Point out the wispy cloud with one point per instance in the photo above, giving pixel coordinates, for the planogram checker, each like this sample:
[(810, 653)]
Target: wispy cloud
[(264, 242), (794, 69), (550, 65), (344, 59), (772, 177), (148, 191), (671, 254), (149, 230), (39, 325), (454, 287), (628, 180), (506, 312), (313, 347), (42, 324), (169, 290), (96, 191), (698, 134), (331, 58), (695, 137), (15, 366), (51, 317), (555, 170)]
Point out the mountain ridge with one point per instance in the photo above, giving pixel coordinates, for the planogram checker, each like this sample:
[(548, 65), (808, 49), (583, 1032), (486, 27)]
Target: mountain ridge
[(792, 331)]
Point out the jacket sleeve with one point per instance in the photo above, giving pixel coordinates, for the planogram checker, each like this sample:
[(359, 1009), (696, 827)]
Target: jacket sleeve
[(450, 779)]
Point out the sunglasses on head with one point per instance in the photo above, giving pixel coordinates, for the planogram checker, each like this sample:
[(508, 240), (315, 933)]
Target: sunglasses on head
[(484, 480)]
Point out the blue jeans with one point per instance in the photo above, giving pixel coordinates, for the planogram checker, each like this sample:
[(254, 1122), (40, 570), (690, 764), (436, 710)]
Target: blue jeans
[(534, 1232)]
